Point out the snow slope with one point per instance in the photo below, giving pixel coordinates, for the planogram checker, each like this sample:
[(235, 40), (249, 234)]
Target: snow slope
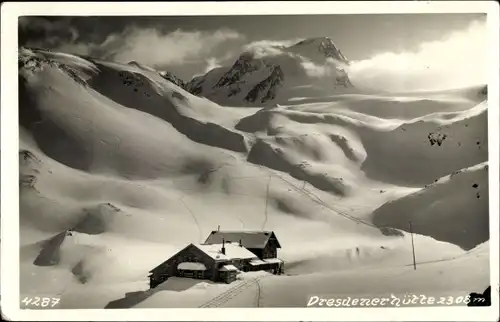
[(450, 209), (121, 168), (415, 159)]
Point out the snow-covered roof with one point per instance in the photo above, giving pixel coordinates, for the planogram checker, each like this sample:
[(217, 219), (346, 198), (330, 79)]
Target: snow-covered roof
[(273, 260), (192, 266), (233, 251), (228, 268), (257, 262), (249, 239)]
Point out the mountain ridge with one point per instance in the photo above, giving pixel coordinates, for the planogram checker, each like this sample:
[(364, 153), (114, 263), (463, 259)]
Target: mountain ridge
[(256, 78), (253, 80)]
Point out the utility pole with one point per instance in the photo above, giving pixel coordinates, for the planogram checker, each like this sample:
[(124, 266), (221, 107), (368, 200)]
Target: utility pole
[(413, 247)]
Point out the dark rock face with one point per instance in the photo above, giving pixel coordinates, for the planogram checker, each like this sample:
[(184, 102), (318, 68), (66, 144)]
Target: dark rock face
[(27, 157), (35, 63), (437, 138), (233, 80), (174, 79), (268, 87), (244, 65), (388, 231), (327, 46), (129, 79), (195, 86), (234, 90)]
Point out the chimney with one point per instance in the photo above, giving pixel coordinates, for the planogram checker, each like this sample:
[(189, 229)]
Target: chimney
[(241, 244), (223, 250), (218, 228)]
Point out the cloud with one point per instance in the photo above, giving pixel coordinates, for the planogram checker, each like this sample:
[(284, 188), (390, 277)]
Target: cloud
[(264, 48), (44, 32), (459, 60), (147, 45), (212, 63), (152, 47), (27, 23), (329, 69)]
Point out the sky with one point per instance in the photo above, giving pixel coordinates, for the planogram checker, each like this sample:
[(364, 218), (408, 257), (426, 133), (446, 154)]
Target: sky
[(189, 46)]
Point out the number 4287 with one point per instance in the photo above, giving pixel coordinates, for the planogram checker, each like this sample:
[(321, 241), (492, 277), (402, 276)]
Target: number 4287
[(40, 301)]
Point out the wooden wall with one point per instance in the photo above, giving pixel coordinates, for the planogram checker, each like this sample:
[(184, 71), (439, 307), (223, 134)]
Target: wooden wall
[(189, 254)]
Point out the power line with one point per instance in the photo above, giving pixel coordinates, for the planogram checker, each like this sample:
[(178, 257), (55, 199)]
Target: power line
[(247, 177), (200, 237), (307, 193), (322, 203), (267, 200), (197, 191), (319, 201), (302, 191)]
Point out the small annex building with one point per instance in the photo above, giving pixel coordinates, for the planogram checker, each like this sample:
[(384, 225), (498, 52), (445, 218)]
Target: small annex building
[(220, 259)]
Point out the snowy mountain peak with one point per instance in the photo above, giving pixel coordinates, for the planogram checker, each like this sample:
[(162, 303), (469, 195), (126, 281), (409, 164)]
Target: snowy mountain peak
[(311, 67), (244, 64), (324, 45), (315, 42)]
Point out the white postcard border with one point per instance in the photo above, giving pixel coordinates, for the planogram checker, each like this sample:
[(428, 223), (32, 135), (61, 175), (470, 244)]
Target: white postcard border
[(10, 167)]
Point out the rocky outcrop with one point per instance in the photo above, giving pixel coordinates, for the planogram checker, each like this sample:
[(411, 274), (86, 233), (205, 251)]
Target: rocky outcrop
[(172, 78), (243, 66), (30, 61), (195, 86), (268, 87)]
